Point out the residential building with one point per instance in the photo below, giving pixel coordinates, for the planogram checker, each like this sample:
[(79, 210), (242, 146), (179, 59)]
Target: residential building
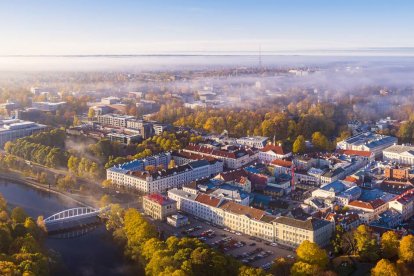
[(237, 178), (48, 106), (178, 220), (13, 129), (158, 206), (124, 138), (368, 210), (110, 100), (404, 204), (114, 120)]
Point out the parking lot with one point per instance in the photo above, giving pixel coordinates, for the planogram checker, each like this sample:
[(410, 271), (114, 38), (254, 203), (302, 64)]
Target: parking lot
[(249, 250)]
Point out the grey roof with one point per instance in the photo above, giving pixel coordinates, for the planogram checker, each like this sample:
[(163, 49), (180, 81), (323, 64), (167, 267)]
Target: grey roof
[(311, 224)]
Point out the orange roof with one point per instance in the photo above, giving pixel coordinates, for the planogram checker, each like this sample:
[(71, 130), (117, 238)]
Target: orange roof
[(239, 209), (372, 205), (208, 200), (351, 179), (356, 152), (275, 149), (234, 175), (282, 163)]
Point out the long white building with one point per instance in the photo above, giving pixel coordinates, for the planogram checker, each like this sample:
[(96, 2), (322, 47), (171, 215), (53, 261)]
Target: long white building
[(368, 141), (132, 176), (11, 130), (251, 221)]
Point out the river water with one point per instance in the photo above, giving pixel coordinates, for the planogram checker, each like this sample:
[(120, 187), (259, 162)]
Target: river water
[(92, 253)]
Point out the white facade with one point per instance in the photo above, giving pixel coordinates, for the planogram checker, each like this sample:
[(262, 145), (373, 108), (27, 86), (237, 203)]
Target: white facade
[(401, 154), (11, 130)]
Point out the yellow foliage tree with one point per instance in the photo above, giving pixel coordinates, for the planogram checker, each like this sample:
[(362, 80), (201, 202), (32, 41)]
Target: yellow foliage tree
[(384, 268), (406, 250)]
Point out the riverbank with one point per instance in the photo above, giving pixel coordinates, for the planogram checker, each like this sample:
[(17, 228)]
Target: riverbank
[(79, 199)]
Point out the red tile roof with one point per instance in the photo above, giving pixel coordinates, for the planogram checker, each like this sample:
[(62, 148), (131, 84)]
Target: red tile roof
[(282, 163), (239, 209), (275, 149), (372, 205), (406, 197), (208, 200), (160, 199), (234, 175), (356, 152)]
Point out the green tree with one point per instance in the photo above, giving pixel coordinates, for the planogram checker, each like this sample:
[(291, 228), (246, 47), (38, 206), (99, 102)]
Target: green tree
[(319, 141), (251, 271), (299, 146), (304, 269), (91, 113)]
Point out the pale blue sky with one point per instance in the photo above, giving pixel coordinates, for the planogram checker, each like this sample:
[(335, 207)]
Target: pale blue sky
[(156, 26)]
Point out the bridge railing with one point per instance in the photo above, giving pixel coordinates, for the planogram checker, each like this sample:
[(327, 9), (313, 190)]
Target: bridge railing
[(72, 213)]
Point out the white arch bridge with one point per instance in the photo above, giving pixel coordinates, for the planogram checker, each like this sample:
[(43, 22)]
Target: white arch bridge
[(74, 217)]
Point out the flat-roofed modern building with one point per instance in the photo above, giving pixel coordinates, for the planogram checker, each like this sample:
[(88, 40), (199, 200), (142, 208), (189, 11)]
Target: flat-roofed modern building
[(11, 130)]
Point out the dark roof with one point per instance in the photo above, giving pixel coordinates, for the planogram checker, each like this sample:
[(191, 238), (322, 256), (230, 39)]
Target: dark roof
[(311, 224)]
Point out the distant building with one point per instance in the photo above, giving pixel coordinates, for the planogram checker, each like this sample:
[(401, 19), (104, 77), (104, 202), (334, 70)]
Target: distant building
[(158, 206), (48, 106), (114, 120), (110, 100), (404, 204), (177, 220), (13, 129), (253, 141), (124, 138)]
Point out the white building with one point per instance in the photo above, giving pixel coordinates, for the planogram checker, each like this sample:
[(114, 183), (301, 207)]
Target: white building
[(114, 120), (404, 204), (402, 154), (128, 176), (48, 106), (272, 152), (253, 141), (368, 141), (13, 129)]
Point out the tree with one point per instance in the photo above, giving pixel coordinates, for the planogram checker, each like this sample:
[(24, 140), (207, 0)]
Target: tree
[(319, 141), (389, 244), (366, 244), (91, 113), (76, 121), (104, 201), (251, 271), (106, 183), (171, 164), (299, 146), (384, 268), (337, 239), (406, 249), (3, 203), (304, 269), (18, 215), (310, 253), (8, 269), (281, 267)]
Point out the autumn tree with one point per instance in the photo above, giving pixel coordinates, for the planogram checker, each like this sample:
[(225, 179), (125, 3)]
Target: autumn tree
[(406, 249), (299, 146), (366, 243), (311, 253), (384, 268), (320, 142), (389, 244)]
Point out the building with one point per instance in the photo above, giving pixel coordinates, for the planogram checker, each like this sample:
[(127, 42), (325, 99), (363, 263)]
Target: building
[(110, 100), (292, 232), (252, 141), (369, 211), (347, 221), (368, 141), (177, 220), (401, 154), (273, 152), (48, 106), (13, 129), (124, 138), (233, 157), (114, 120), (404, 204), (159, 180), (158, 206), (237, 178)]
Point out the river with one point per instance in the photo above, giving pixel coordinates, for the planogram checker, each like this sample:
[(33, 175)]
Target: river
[(93, 253)]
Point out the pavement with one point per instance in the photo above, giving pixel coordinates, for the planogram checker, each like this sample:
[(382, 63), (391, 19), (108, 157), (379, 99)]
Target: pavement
[(276, 251)]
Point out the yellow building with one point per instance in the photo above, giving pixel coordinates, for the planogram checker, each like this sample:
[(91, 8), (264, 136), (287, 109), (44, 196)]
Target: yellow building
[(158, 206)]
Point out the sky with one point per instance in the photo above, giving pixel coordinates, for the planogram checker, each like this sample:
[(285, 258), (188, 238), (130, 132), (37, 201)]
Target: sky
[(88, 27)]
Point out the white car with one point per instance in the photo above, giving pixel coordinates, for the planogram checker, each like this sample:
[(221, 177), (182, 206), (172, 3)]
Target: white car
[(238, 233)]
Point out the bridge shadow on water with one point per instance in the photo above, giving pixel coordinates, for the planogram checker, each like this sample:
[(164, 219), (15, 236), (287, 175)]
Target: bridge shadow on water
[(75, 231)]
